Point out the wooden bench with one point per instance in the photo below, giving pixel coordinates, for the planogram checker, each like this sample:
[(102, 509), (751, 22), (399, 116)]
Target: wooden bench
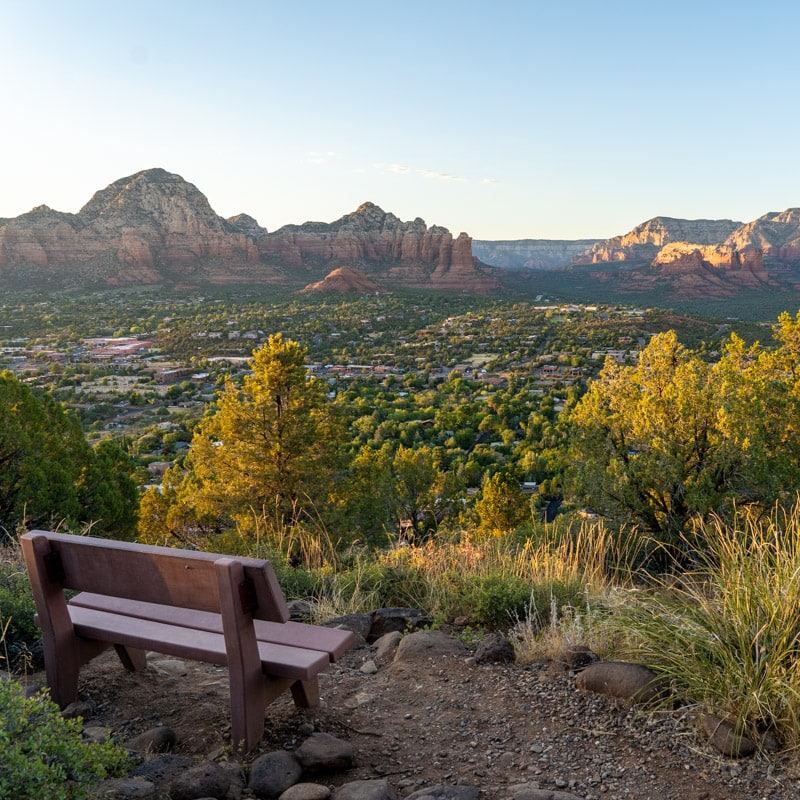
[(213, 608)]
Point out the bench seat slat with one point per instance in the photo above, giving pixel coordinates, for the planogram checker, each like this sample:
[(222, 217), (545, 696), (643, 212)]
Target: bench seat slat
[(282, 662), (333, 641)]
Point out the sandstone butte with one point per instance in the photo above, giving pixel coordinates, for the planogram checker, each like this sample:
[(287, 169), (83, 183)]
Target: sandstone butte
[(154, 227), (344, 280)]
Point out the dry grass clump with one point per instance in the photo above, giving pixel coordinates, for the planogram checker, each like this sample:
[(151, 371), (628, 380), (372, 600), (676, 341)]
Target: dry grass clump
[(728, 633), (491, 582)]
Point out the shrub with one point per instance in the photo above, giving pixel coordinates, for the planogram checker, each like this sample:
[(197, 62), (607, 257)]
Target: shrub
[(43, 755), (728, 634), (495, 601)]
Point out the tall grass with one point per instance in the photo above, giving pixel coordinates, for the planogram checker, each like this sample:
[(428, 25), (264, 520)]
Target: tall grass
[(489, 581), (728, 633)]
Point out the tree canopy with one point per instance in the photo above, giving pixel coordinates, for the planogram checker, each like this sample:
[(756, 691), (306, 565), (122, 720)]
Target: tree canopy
[(675, 438), (264, 454), (51, 476)]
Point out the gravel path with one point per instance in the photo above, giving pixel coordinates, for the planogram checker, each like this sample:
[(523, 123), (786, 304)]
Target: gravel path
[(447, 720)]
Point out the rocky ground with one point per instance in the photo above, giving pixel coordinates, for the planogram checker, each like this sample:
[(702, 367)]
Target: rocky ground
[(438, 717)]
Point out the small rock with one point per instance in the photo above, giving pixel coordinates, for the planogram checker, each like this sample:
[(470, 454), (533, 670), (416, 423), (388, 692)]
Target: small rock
[(369, 667), (495, 649), (206, 780), (724, 738), (531, 791), (78, 709), (306, 729), (126, 789), (96, 734), (574, 658), (445, 793), (400, 620), (306, 791), (359, 624), (273, 773), (321, 751), (427, 644), (621, 680), (366, 790), (237, 778), (169, 666), (162, 768), (157, 740), (386, 646)]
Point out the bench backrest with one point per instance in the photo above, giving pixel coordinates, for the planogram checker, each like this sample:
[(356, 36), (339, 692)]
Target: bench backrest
[(183, 578)]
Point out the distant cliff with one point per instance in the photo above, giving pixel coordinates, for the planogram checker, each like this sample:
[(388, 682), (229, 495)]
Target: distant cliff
[(530, 253), (676, 258), (155, 227), (644, 241), (704, 258)]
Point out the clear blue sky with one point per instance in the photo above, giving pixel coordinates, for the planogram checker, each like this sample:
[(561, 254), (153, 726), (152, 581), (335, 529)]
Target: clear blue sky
[(562, 119)]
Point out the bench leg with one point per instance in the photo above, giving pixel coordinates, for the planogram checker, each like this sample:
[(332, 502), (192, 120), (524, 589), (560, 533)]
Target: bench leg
[(132, 658), (248, 687), (306, 693), (62, 668)]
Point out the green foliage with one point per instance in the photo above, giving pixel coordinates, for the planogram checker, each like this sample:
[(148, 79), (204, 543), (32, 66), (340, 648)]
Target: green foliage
[(50, 475), (17, 629), (495, 601), (261, 460), (502, 507), (43, 754), (675, 439), (385, 585), (366, 500)]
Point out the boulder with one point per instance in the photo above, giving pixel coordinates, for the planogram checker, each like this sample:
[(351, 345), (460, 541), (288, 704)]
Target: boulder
[(495, 649), (206, 780), (156, 740), (621, 680), (446, 793), (366, 790), (306, 791), (321, 751), (427, 644), (273, 773)]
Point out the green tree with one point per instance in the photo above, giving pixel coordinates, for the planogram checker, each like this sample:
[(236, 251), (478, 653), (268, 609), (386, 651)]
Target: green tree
[(502, 507), (267, 451), (416, 480), (108, 492), (674, 438), (367, 497), (50, 475)]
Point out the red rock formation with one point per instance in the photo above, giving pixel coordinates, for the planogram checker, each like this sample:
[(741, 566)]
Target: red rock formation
[(344, 280), (137, 230), (696, 265), (644, 241), (407, 253)]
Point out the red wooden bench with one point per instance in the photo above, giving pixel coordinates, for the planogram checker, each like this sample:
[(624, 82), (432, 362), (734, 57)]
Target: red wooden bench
[(213, 608)]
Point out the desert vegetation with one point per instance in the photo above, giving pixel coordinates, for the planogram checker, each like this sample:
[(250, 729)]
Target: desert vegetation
[(582, 476)]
